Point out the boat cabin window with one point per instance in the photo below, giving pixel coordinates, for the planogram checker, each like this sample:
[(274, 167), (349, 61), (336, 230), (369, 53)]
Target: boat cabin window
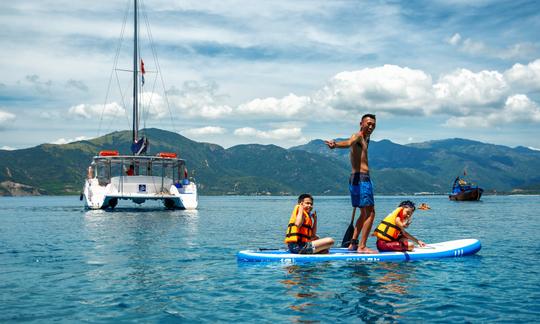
[(103, 172)]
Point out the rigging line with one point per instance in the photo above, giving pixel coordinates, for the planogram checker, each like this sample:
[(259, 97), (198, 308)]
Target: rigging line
[(146, 112), (154, 53), (115, 63), (148, 104), (122, 97), (149, 99), (112, 120), (153, 89), (123, 70)]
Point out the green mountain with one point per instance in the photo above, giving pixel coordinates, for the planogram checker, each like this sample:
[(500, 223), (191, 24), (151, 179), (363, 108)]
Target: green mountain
[(268, 169), (244, 169), (432, 166)]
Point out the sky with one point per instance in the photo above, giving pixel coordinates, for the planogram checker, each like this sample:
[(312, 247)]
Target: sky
[(272, 72)]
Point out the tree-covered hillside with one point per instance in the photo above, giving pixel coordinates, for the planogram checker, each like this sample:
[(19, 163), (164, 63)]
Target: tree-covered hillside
[(269, 169)]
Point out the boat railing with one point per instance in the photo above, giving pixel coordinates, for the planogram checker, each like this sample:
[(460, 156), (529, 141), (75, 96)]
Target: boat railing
[(105, 168)]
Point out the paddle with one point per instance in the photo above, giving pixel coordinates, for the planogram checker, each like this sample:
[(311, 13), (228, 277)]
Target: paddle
[(350, 231)]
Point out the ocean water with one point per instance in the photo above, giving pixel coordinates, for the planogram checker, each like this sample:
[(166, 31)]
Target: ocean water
[(59, 262)]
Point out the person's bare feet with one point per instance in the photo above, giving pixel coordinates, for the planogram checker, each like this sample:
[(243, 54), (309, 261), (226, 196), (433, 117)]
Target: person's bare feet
[(353, 245), (366, 250)]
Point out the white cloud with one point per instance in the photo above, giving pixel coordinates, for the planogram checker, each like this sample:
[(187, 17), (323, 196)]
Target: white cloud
[(474, 47), (7, 148), (49, 115), (465, 122), (463, 91), (470, 98), (389, 88), (455, 39), (152, 105), (517, 108), (70, 140), (275, 134), (207, 130), (517, 51), (199, 100), (524, 77), (520, 108), (6, 117), (96, 111), (479, 48), (288, 106)]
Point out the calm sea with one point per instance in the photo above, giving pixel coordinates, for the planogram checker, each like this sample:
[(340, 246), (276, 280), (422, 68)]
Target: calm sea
[(59, 262)]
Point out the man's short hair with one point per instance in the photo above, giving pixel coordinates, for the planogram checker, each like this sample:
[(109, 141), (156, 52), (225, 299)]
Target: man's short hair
[(372, 116), (304, 196)]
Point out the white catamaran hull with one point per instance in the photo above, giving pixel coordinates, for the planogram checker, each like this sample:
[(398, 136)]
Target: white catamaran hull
[(138, 189)]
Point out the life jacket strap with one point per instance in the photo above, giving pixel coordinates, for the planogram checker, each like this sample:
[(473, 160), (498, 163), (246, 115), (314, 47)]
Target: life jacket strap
[(385, 232), (303, 225), (298, 234), (388, 225)]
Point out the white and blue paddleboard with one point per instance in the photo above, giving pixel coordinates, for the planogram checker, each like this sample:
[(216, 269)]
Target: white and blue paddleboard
[(447, 249)]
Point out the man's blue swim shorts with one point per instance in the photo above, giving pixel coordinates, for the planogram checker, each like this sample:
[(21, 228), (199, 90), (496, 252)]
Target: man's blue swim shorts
[(361, 190)]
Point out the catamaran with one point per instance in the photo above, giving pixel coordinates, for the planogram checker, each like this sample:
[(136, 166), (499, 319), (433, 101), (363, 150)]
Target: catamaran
[(138, 177)]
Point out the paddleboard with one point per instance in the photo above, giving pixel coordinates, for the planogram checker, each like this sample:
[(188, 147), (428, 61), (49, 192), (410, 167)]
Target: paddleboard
[(456, 248)]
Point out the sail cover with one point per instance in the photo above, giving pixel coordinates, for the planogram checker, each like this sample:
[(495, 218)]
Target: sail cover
[(139, 147)]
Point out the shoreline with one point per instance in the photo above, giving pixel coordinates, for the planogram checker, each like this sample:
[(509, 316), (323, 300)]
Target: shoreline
[(294, 195)]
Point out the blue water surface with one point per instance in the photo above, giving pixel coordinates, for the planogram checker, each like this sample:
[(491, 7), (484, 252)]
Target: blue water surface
[(59, 262)]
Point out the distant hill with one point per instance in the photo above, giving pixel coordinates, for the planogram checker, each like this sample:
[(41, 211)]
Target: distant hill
[(268, 169), (432, 166), (244, 169)]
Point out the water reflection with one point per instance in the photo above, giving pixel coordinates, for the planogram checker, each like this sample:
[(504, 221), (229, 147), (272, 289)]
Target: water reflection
[(397, 278), (133, 247), (301, 282), (383, 289)]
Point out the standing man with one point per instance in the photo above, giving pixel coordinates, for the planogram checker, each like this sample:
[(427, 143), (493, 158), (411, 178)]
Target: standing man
[(360, 185)]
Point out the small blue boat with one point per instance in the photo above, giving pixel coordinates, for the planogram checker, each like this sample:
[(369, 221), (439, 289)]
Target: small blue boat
[(464, 191)]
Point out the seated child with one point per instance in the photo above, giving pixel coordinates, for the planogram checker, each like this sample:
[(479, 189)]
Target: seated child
[(301, 235), (391, 232)]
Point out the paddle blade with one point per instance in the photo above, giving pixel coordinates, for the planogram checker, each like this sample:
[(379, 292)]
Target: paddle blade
[(348, 236)]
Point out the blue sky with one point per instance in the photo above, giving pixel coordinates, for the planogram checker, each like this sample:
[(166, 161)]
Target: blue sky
[(274, 72)]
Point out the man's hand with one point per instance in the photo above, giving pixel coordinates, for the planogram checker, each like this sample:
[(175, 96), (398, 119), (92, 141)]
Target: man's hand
[(331, 144)]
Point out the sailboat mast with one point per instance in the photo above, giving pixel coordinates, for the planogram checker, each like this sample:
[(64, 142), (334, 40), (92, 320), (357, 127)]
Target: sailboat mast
[(135, 74)]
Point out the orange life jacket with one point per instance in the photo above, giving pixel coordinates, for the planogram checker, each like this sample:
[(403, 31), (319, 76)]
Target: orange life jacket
[(302, 234), (387, 229)]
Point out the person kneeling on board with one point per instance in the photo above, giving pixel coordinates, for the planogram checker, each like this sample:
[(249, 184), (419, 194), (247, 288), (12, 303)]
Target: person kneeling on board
[(301, 235), (391, 232)]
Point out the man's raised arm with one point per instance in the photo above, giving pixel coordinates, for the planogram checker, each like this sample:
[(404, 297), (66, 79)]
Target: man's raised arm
[(332, 144)]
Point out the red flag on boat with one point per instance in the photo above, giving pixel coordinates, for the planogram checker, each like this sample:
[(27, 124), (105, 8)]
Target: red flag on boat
[(142, 72), (185, 173)]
